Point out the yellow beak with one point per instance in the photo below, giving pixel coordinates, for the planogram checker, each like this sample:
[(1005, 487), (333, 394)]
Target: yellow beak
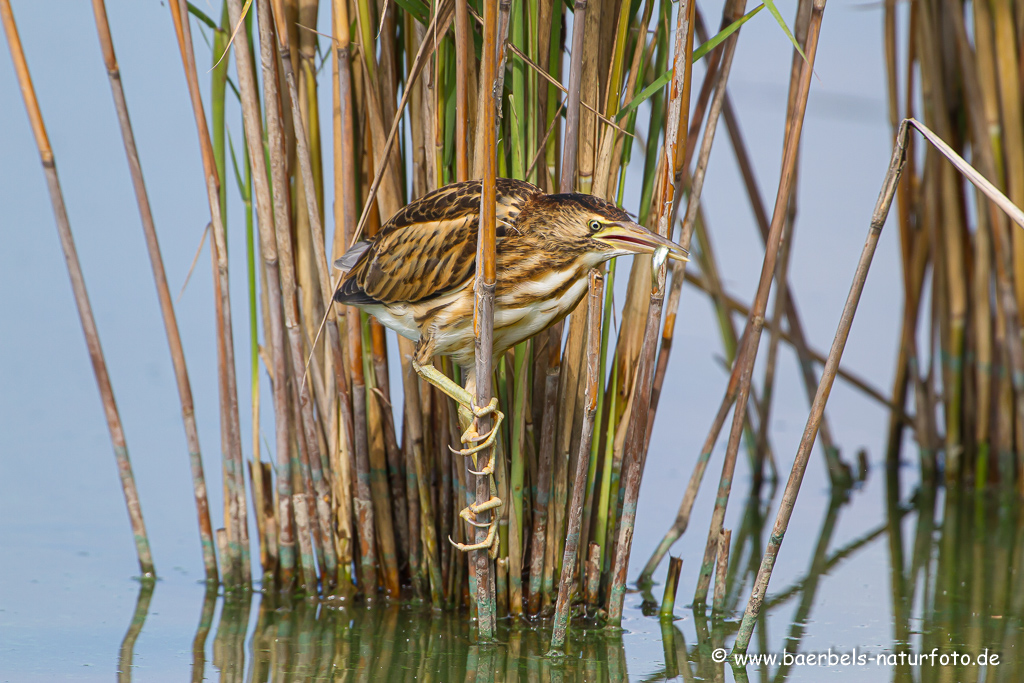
[(634, 238)]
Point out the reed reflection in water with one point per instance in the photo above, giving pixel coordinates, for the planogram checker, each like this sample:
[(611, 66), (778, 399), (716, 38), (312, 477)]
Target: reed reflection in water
[(956, 560)]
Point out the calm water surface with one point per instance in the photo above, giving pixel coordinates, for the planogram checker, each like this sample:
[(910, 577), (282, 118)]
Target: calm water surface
[(883, 569)]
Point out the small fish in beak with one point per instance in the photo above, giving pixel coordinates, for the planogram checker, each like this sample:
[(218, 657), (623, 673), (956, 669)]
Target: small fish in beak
[(632, 238)]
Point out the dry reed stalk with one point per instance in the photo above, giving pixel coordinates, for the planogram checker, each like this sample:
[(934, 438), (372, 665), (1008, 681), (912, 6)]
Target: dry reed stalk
[(906, 199), (990, 148), (344, 224), (268, 249), (516, 481), (92, 338), (572, 539), (778, 310), (539, 536), (363, 503), (755, 323), (307, 569), (983, 109), (1008, 71), (837, 469), (722, 565), (463, 56), (590, 93), (828, 376), (950, 271), (383, 519), (636, 431), (734, 10), (413, 423), (569, 361), (483, 310), (163, 292), (309, 456), (237, 562), (570, 144)]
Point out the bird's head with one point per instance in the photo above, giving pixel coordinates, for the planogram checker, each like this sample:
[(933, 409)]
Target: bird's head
[(599, 229)]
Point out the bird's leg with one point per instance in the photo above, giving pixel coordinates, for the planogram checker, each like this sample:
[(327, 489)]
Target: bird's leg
[(468, 413), (467, 410)]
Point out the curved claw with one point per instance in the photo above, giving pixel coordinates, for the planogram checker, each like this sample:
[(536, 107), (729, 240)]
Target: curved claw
[(485, 441), (486, 544), (491, 407), (476, 449)]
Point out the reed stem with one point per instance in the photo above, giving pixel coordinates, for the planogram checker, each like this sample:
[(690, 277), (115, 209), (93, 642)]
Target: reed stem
[(572, 539), (92, 339), (828, 375), (163, 293)]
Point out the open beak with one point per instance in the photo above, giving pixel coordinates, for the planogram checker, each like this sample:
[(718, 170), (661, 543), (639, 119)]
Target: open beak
[(636, 239)]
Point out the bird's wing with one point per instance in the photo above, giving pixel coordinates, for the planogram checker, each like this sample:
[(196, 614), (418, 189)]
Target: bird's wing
[(429, 247)]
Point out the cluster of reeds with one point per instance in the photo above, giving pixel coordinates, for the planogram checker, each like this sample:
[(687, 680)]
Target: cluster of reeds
[(353, 498), (361, 497), (957, 67)]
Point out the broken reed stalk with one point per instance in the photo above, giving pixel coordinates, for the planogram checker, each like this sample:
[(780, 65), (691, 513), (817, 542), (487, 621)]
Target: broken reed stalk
[(483, 311), (721, 569), (163, 293), (252, 121), (752, 334), (235, 567), (92, 338), (572, 539), (668, 601), (825, 385)]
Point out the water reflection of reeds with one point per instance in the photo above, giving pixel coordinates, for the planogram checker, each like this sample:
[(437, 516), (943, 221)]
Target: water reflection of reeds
[(956, 584), (304, 641), (955, 560)]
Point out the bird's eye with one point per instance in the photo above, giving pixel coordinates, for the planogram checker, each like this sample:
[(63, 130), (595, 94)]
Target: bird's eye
[(595, 225)]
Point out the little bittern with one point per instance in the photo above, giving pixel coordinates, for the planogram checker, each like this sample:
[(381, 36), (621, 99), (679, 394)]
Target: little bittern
[(416, 276)]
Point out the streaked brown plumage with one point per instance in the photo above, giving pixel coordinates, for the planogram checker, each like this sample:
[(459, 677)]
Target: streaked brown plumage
[(416, 275)]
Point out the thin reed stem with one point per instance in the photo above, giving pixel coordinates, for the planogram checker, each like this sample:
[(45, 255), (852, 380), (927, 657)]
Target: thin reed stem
[(572, 539), (827, 378), (755, 323), (253, 126), (163, 293), (483, 312), (92, 338)]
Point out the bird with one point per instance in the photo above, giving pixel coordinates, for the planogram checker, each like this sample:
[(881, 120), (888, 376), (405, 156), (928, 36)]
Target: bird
[(416, 275)]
